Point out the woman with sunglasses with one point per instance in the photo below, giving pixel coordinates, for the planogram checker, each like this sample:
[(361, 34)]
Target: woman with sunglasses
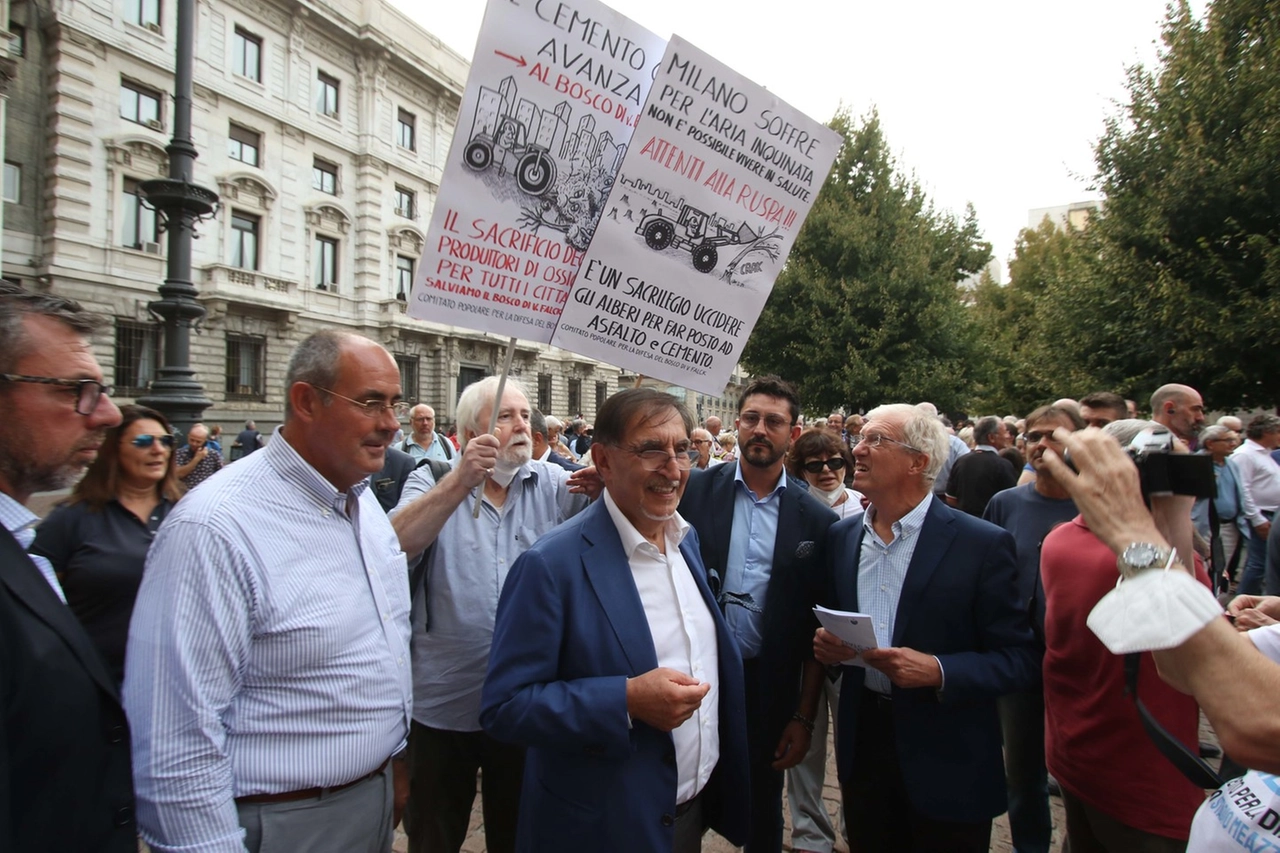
[(97, 541), (820, 458)]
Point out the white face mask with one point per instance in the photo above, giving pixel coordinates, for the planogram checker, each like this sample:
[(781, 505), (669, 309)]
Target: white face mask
[(1156, 609), (831, 497)]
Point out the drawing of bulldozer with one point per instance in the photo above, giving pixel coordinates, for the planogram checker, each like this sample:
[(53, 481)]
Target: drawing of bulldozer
[(690, 233), (535, 171)]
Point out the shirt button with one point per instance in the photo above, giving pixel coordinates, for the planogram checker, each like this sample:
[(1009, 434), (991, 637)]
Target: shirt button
[(325, 513)]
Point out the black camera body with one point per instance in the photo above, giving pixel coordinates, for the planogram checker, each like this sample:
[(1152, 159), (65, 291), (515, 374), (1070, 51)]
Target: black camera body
[(1163, 472)]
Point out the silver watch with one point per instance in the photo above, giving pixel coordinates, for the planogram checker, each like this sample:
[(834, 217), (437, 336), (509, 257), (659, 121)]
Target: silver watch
[(1140, 556)]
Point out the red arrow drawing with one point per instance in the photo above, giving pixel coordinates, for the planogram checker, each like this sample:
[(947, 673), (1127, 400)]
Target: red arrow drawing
[(519, 59)]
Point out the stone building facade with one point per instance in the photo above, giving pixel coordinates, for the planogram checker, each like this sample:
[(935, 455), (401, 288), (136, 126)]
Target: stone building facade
[(324, 128)]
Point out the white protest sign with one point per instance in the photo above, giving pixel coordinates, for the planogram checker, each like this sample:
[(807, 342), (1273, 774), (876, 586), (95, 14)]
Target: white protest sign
[(554, 92), (719, 176)]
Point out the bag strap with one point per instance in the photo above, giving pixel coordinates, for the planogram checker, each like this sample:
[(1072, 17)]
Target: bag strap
[(1188, 763)]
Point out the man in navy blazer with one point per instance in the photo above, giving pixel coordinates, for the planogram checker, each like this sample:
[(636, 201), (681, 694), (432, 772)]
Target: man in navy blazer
[(612, 664), (919, 749), (767, 586)]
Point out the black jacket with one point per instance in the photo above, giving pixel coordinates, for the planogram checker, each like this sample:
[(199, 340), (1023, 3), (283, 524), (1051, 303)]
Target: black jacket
[(65, 776)]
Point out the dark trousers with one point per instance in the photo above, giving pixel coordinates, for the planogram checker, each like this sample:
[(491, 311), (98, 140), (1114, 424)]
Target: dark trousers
[(442, 789), (1255, 565), (877, 807), (1022, 724), (766, 783), (1091, 831)]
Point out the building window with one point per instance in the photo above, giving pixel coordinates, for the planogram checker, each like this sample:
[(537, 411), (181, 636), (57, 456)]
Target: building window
[(406, 202), (246, 367), (602, 394), (404, 276), (408, 365), (244, 145), (406, 130), (244, 240), (138, 356), (325, 263), (17, 40), (575, 397), (140, 104), (324, 176), (144, 13), (326, 94), (544, 393), (138, 230), (469, 376), (246, 55), (12, 182)]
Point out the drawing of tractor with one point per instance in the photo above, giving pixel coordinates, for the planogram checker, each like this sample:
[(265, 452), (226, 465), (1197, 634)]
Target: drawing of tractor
[(535, 170), (689, 233)]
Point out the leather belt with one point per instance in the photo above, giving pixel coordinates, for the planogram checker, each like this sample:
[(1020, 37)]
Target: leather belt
[(309, 793)]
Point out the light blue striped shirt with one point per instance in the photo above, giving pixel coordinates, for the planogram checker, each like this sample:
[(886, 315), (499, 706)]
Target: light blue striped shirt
[(269, 648), (21, 522), (750, 561), (882, 569), (465, 574)]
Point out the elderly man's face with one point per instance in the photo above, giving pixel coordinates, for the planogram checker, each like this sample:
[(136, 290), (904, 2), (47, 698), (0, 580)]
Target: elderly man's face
[(1185, 415), (701, 439), (423, 419), (513, 427), (835, 423), (355, 443), (647, 498), (197, 437), (879, 471), (44, 444)]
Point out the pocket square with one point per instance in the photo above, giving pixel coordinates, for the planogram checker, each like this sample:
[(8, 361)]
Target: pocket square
[(804, 549)]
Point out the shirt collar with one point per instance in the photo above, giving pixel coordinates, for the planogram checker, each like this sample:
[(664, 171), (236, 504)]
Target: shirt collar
[(545, 454), (987, 447), (780, 486), (295, 469), (14, 515), (675, 528), (905, 526)]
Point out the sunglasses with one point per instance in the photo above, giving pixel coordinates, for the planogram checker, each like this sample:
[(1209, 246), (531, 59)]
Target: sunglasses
[(142, 442), (816, 466)]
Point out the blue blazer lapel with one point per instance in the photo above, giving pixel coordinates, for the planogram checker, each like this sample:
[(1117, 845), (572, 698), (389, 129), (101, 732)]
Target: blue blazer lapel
[(934, 539), (609, 573), (844, 557)]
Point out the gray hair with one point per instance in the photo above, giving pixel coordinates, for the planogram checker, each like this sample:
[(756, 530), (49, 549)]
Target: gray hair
[(315, 362), (985, 428), (250, 425), (922, 431), (554, 423), (1261, 425), (17, 304), (538, 424), (1124, 430), (1214, 433), (474, 398)]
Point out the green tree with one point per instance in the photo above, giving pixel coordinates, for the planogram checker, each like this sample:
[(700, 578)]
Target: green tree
[(1188, 248), (866, 310)]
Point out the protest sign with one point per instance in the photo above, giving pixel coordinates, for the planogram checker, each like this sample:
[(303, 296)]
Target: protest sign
[(719, 176), (555, 90)]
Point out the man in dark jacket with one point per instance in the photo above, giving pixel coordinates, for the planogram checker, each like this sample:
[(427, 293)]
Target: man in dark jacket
[(65, 774)]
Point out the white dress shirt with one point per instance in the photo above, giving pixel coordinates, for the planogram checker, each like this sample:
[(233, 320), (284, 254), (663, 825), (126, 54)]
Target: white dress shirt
[(1259, 479), (684, 637)]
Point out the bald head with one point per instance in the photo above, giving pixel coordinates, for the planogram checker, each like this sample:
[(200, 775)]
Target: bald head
[(1180, 408)]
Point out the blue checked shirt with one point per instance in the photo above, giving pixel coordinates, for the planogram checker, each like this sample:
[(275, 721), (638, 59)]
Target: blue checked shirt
[(269, 648), (882, 569)]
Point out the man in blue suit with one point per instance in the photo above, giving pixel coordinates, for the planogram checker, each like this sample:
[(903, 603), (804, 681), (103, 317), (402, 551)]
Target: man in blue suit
[(919, 753), (612, 664)]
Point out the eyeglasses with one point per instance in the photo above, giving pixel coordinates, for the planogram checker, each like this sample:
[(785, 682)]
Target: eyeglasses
[(371, 408), (656, 460), (774, 423), (701, 441), (142, 442), (875, 440), (1037, 436), (88, 391), (815, 467)]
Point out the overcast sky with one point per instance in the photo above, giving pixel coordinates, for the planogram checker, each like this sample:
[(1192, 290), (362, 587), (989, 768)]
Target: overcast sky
[(994, 102)]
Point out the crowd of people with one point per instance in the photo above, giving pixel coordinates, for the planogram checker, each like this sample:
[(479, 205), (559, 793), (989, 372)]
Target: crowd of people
[(611, 625)]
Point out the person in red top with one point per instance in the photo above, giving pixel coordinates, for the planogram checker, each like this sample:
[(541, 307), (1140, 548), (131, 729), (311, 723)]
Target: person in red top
[(1121, 795)]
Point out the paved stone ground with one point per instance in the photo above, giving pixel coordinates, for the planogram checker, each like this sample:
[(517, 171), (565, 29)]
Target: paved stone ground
[(1000, 841)]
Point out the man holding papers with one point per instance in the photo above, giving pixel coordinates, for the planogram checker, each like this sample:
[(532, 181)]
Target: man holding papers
[(919, 757)]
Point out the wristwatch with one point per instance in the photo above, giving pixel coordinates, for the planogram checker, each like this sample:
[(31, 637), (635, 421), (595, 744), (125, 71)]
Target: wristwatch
[(1140, 556)]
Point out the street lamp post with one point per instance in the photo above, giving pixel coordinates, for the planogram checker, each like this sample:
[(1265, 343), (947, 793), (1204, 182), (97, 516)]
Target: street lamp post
[(180, 204)]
